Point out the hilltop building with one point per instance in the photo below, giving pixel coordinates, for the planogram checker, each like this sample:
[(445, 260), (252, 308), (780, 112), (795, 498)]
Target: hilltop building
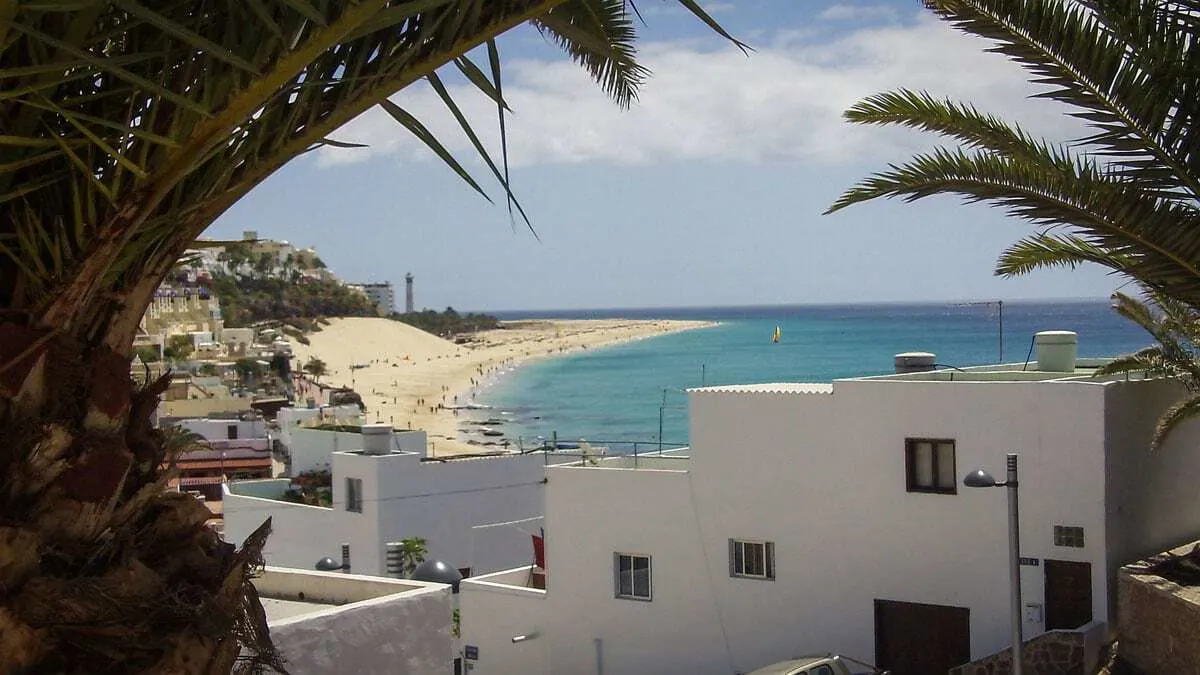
[(813, 518), (408, 293), (382, 294)]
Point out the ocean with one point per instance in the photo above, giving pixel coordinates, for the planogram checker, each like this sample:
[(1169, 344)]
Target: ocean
[(617, 396)]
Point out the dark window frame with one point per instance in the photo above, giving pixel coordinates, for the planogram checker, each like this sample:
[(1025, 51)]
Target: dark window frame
[(737, 553), (633, 594), (354, 496), (910, 466)]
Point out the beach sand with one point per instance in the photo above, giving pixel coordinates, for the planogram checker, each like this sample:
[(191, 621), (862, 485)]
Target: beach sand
[(404, 374)]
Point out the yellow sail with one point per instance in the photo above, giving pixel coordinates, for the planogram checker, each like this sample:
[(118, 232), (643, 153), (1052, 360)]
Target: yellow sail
[(775, 338)]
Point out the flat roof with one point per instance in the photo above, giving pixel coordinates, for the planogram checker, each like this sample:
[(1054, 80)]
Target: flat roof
[(278, 609), (768, 388)]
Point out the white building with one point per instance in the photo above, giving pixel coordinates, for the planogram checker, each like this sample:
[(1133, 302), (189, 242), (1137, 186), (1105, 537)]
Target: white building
[(224, 429), (329, 623), (380, 293), (292, 418), (384, 490), (831, 517)]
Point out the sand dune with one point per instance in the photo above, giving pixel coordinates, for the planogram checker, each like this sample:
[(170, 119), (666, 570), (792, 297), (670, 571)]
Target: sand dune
[(404, 374)]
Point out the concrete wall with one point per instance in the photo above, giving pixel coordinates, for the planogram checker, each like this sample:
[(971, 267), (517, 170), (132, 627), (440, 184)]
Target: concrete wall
[(1151, 495), (312, 449), (1157, 623), (300, 534), (406, 633), (494, 609)]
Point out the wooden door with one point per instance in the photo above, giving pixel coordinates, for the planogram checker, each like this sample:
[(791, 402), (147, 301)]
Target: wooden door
[(1068, 594), (918, 639)]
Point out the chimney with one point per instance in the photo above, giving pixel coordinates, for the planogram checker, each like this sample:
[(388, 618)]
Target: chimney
[(377, 439), (1056, 350), (914, 362)]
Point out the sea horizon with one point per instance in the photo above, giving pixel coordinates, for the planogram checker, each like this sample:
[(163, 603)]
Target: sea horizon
[(650, 311)]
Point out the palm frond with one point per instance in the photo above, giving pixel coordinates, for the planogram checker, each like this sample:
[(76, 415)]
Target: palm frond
[(1170, 420), (600, 36), (1117, 87), (1044, 250)]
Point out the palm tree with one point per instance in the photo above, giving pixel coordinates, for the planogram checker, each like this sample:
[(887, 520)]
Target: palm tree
[(315, 367), (1126, 197), (126, 129)]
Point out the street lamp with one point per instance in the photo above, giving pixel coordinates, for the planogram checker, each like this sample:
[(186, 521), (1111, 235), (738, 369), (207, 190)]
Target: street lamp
[(978, 479), (328, 564)]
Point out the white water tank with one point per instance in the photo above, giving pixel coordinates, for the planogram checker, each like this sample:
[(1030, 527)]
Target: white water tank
[(1056, 350), (377, 439), (915, 362)]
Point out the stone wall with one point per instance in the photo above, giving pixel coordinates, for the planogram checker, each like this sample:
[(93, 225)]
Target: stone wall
[(1159, 623), (1058, 652)]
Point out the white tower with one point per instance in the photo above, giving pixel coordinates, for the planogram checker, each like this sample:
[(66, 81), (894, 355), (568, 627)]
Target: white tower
[(408, 298)]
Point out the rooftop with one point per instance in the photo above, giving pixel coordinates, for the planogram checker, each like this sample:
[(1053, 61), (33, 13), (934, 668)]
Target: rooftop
[(289, 594), (768, 388)]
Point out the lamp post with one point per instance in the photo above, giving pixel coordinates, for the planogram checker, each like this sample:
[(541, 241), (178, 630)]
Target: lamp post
[(981, 478)]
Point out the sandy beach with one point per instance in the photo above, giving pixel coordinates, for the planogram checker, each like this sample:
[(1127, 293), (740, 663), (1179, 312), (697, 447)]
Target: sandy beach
[(416, 380)]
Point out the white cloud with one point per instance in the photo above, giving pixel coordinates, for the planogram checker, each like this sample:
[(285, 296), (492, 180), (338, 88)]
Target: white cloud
[(706, 102), (863, 12)]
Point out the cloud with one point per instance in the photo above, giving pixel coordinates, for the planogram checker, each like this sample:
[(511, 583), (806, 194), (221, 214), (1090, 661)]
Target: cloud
[(858, 13), (709, 102)]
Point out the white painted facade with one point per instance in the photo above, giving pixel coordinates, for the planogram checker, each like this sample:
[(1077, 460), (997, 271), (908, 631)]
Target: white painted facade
[(402, 496), (328, 623), (820, 472), (224, 429)]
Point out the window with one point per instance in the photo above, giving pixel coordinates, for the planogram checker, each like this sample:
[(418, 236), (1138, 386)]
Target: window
[(752, 559), (929, 464), (354, 496), (231, 431), (1068, 536), (632, 576), (821, 670)]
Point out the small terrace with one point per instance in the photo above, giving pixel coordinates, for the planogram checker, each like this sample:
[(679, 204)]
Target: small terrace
[(332, 623), (528, 581), (671, 459)]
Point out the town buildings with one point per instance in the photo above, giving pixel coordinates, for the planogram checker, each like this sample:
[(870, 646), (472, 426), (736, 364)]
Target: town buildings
[(476, 513), (809, 518)]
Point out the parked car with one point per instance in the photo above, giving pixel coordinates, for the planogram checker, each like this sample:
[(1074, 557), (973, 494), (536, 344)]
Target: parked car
[(826, 664)]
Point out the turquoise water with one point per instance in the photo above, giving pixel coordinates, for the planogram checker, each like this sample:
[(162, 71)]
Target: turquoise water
[(615, 394)]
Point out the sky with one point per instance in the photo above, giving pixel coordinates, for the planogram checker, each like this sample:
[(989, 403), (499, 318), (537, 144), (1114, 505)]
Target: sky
[(708, 191)]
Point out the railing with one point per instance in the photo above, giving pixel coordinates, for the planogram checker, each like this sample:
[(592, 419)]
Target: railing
[(594, 453)]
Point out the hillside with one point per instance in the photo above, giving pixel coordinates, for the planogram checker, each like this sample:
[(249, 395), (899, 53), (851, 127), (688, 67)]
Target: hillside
[(246, 299)]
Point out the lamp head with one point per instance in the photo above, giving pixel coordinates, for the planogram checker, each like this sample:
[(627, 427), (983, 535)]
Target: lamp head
[(979, 478), (328, 564)]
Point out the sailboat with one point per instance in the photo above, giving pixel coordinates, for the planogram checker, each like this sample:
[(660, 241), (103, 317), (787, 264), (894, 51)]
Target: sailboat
[(775, 337)]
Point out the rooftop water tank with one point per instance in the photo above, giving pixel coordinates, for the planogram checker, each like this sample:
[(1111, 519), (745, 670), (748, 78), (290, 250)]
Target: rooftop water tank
[(377, 439), (1056, 350), (915, 362)]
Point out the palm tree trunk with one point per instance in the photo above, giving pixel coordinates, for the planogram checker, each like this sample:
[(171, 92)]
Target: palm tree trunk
[(102, 568)]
